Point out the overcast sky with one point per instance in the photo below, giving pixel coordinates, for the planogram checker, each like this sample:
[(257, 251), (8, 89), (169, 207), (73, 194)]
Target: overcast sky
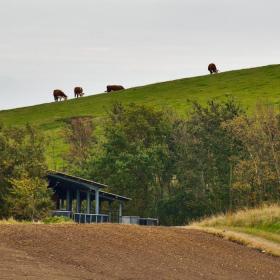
[(49, 44)]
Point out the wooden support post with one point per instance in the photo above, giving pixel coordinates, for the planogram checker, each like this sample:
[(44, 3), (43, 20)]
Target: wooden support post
[(78, 201), (68, 200), (110, 211), (120, 212), (88, 202), (97, 201)]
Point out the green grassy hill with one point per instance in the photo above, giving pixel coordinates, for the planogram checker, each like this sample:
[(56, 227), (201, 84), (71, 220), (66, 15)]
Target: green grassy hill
[(248, 86)]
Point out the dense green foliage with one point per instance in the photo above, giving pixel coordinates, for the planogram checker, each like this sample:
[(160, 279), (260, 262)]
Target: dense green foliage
[(29, 198), (246, 86), (135, 156), (214, 160), (23, 192), (202, 152)]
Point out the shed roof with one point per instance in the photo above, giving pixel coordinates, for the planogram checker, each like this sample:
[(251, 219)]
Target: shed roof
[(77, 179), (83, 184)]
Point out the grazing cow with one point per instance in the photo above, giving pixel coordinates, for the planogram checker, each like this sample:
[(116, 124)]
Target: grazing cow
[(212, 68), (114, 88), (78, 91), (59, 95)]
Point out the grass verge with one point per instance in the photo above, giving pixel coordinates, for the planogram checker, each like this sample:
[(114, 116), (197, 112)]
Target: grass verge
[(256, 228), (48, 220), (12, 221)]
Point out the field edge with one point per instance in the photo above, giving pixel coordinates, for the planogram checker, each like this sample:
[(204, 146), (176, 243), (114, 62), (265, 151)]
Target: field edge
[(252, 241)]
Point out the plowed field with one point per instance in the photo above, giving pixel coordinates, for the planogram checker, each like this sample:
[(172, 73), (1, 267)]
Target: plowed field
[(58, 252)]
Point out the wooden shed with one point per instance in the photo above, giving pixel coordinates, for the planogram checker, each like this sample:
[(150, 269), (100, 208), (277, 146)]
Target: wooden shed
[(82, 199)]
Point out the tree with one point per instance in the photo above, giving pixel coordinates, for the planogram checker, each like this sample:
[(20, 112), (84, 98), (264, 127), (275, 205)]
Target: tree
[(22, 151), (203, 153), (256, 174), (29, 198), (78, 134), (135, 156)]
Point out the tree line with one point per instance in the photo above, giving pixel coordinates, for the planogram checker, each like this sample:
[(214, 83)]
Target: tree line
[(215, 159)]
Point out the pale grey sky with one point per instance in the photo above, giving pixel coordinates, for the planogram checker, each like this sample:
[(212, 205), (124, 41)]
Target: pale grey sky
[(48, 44)]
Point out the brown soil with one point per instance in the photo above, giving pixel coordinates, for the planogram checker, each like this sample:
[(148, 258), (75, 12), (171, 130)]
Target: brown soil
[(59, 252)]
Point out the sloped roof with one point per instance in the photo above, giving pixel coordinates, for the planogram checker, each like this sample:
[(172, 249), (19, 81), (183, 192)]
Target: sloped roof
[(83, 184)]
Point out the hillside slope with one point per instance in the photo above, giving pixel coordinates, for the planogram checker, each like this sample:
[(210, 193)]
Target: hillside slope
[(248, 86)]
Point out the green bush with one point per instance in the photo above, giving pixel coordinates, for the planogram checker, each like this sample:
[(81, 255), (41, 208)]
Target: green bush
[(57, 220)]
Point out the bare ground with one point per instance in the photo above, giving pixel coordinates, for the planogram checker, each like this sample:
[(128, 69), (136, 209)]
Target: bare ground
[(59, 252)]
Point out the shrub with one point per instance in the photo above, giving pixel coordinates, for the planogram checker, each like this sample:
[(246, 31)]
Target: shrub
[(57, 220)]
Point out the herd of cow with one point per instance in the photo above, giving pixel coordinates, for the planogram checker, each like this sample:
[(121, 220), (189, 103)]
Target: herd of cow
[(78, 91), (59, 95)]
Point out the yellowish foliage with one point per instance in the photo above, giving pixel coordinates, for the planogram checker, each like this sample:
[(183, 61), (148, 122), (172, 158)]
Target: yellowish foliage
[(265, 215)]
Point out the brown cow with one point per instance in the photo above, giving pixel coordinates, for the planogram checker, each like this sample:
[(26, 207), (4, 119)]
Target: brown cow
[(78, 91), (59, 95), (212, 68), (114, 88)]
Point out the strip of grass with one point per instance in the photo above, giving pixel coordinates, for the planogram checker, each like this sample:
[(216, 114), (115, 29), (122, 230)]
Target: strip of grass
[(265, 218), (12, 221), (258, 228), (263, 233), (48, 220)]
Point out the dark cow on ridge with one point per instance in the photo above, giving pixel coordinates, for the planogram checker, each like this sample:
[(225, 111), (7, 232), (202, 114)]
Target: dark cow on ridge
[(212, 68), (114, 88), (58, 95), (78, 91)]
